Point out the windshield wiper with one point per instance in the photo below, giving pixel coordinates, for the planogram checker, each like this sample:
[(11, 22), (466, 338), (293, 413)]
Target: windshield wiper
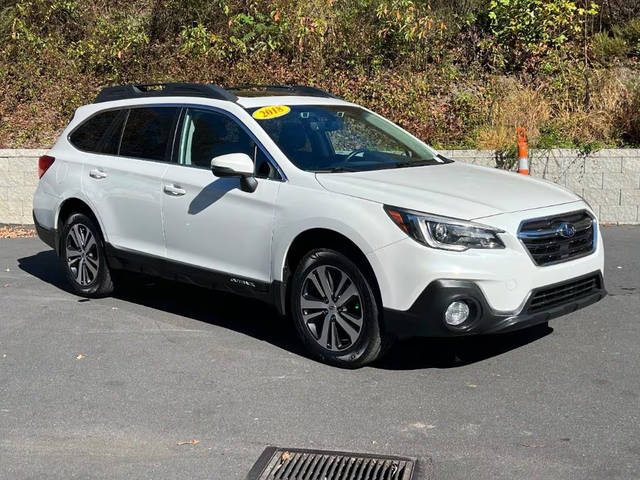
[(416, 163), (338, 170)]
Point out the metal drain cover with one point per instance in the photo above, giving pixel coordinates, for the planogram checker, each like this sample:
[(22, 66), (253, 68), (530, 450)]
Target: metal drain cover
[(277, 463)]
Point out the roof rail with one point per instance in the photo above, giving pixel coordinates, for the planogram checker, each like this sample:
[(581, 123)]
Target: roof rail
[(123, 92), (302, 90)]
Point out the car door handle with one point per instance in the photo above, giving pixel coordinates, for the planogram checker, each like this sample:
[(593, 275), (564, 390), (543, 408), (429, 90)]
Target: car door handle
[(174, 190), (97, 174)]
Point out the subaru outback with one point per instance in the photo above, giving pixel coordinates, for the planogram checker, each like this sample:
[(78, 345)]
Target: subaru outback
[(353, 227)]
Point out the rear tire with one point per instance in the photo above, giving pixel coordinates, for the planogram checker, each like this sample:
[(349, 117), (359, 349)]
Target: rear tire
[(83, 255), (335, 310)]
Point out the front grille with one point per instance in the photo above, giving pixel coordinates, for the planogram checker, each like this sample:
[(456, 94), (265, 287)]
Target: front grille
[(563, 293), (297, 464), (548, 242)]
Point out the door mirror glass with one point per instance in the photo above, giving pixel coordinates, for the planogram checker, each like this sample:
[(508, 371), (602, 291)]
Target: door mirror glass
[(232, 165)]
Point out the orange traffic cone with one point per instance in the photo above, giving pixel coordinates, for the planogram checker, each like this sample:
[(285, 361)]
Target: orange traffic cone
[(523, 153)]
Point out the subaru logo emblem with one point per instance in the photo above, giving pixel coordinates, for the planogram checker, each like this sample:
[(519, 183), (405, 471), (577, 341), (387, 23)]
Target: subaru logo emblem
[(566, 230)]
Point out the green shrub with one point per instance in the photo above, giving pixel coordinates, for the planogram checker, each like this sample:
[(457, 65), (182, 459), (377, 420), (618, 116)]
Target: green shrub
[(506, 157), (628, 121), (630, 32), (455, 73), (606, 49), (111, 45), (256, 31), (550, 137), (525, 29)]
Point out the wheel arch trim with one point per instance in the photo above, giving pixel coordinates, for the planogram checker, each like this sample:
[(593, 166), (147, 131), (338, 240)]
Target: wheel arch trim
[(282, 270), (78, 197)]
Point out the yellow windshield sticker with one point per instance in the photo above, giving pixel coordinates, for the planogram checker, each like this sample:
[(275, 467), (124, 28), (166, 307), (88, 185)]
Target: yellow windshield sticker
[(272, 111)]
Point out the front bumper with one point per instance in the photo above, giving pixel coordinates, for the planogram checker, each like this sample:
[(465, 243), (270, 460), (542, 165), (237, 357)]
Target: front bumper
[(426, 316), (506, 277)]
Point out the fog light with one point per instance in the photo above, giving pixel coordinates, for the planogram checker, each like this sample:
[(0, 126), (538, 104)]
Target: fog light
[(457, 313)]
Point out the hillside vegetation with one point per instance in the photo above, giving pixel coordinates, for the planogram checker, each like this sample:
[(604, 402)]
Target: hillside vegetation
[(459, 73)]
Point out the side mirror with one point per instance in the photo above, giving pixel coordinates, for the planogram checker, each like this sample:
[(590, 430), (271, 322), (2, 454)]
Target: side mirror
[(235, 165)]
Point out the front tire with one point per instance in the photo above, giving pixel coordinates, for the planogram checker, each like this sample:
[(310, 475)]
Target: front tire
[(335, 310), (83, 254)]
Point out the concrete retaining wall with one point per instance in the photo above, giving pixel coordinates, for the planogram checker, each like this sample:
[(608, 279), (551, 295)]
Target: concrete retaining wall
[(608, 179), (18, 181)]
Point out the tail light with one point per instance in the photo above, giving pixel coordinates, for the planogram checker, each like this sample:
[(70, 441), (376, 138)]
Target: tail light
[(44, 163)]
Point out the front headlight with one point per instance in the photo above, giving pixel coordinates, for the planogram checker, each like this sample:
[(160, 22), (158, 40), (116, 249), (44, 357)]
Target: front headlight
[(444, 233)]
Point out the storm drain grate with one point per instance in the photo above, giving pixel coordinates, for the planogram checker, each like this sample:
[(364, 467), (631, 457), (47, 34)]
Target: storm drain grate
[(301, 464)]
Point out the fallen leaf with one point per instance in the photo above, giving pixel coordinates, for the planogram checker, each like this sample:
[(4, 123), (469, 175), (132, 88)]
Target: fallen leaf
[(285, 456), (17, 232), (190, 442), (80, 357)]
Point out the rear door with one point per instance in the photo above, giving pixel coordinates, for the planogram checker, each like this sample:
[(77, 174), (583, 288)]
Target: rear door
[(126, 186), (210, 222)]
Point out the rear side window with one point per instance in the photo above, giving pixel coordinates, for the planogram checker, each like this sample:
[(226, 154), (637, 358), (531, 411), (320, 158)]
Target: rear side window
[(111, 141), (148, 133), (99, 134)]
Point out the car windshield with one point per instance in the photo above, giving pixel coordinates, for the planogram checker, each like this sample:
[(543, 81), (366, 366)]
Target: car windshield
[(336, 138)]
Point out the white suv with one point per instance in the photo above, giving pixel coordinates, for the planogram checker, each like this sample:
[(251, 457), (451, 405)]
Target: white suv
[(354, 228)]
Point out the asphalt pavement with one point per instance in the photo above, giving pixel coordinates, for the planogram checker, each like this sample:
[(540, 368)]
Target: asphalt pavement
[(108, 388)]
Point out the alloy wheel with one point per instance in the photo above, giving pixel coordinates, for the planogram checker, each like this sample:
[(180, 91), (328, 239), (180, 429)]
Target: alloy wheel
[(331, 308), (82, 254)]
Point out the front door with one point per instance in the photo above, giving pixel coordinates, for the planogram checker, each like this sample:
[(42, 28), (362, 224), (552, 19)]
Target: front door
[(210, 223)]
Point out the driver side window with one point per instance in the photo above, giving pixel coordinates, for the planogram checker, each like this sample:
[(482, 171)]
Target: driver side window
[(207, 134)]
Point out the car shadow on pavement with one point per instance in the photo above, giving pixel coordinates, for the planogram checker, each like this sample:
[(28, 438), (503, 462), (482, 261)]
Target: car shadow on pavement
[(244, 315), (421, 353), (262, 322)]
